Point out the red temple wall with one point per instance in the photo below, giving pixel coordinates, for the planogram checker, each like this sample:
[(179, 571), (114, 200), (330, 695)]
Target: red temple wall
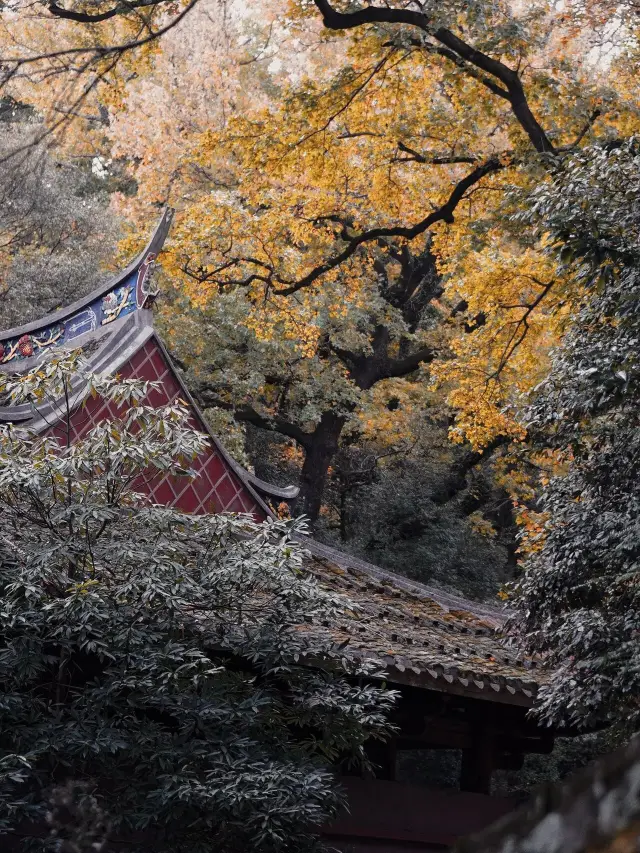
[(391, 817), (216, 488)]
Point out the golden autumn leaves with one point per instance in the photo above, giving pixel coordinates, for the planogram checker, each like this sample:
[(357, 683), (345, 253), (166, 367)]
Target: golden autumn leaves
[(275, 170)]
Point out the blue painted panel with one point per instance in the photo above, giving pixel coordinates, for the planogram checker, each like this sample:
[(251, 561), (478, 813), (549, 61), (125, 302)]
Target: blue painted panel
[(112, 306)]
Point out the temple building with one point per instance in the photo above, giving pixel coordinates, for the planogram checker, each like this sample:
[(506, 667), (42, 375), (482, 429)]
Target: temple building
[(463, 693)]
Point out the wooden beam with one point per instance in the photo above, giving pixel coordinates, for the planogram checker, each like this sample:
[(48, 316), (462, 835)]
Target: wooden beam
[(509, 761), (455, 731)]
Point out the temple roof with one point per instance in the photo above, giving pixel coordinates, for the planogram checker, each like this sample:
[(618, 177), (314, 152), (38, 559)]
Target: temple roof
[(423, 636), (112, 325)]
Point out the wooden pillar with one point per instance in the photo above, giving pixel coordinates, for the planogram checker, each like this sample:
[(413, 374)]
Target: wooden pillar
[(478, 762), (383, 755)]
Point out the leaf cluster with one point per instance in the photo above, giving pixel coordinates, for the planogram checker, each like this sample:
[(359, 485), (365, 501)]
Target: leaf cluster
[(578, 600)]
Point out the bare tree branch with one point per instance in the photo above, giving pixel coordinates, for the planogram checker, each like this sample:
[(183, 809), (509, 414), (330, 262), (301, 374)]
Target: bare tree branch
[(206, 395), (121, 8), (587, 127), (399, 367), (521, 328), (93, 60), (96, 52), (456, 481), (417, 157)]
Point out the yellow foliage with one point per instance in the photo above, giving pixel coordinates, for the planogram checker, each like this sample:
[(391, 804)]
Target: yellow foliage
[(481, 525), (272, 172), (533, 529)]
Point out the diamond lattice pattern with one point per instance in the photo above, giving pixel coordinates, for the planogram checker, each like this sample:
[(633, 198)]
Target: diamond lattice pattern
[(216, 488)]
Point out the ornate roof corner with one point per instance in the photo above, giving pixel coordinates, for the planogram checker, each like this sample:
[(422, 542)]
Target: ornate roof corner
[(113, 325), (285, 493), (94, 316)]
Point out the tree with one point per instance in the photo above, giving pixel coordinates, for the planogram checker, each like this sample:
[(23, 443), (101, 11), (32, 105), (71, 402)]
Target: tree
[(578, 601), (239, 376), (412, 515), (307, 373), (78, 55), (344, 227), (326, 206), (311, 232), (56, 233), (154, 660)]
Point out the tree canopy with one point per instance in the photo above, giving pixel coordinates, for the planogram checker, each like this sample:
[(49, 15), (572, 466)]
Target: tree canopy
[(578, 599)]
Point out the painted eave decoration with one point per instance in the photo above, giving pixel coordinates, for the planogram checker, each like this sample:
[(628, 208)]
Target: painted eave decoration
[(131, 290)]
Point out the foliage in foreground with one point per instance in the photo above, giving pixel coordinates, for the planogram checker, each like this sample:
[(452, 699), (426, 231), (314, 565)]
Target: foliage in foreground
[(157, 657), (579, 599)]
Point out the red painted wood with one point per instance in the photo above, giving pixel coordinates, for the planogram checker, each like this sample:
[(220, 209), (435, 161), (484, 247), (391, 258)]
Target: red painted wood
[(217, 488), (390, 815)]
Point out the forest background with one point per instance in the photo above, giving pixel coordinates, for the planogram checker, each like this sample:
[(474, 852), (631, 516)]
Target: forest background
[(355, 285)]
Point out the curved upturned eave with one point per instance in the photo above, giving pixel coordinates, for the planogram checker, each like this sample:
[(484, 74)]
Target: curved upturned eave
[(284, 492), (258, 488), (154, 245)]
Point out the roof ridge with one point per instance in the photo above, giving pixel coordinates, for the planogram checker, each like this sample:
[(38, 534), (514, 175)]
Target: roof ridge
[(450, 602)]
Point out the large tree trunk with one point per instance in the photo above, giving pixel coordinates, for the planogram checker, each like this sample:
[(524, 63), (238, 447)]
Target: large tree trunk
[(322, 447)]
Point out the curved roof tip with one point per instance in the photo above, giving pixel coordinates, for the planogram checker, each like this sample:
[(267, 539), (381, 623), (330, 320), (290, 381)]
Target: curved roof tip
[(90, 318), (153, 248), (284, 492)]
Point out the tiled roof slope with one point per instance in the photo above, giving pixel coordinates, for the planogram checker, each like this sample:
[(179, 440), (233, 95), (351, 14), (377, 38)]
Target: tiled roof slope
[(423, 636)]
